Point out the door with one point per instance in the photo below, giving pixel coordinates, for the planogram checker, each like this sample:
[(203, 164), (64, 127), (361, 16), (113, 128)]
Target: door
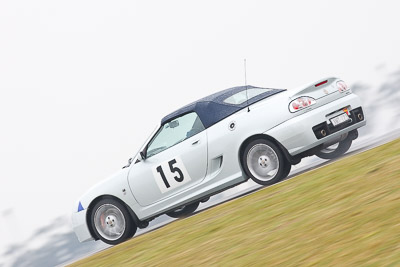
[(176, 159)]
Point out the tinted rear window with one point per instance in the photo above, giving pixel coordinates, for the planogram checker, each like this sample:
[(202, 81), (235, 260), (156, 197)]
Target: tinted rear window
[(242, 96)]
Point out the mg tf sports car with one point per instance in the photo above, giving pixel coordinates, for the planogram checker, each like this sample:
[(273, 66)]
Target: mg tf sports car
[(215, 143)]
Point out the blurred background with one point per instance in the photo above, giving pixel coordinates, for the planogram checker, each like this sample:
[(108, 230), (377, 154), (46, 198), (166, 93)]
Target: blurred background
[(84, 83)]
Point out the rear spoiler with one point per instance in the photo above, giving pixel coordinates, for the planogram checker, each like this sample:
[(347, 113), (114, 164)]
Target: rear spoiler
[(316, 90)]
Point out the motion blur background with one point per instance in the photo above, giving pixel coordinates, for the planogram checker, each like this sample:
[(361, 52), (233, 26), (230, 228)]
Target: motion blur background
[(83, 84)]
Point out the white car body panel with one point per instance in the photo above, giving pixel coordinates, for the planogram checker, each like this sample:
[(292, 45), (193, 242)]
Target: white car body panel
[(211, 158), (193, 149), (296, 134), (80, 226), (112, 186)]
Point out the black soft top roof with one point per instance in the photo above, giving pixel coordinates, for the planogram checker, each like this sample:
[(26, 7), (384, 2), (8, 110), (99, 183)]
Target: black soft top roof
[(211, 109)]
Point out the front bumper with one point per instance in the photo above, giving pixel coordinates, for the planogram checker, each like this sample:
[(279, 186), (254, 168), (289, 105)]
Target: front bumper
[(80, 227), (297, 134)]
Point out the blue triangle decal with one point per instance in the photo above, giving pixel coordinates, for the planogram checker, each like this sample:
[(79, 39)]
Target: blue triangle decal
[(80, 208)]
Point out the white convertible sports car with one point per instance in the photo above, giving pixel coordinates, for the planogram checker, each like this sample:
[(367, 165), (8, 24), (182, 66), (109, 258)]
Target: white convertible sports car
[(216, 143)]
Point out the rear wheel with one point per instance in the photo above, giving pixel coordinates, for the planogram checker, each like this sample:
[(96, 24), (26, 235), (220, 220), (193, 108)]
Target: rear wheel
[(112, 222), (184, 211), (264, 163), (335, 150)]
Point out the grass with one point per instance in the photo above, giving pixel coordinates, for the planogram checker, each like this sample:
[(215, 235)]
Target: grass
[(344, 214)]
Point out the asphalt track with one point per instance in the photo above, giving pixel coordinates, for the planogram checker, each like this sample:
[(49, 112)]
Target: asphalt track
[(308, 164)]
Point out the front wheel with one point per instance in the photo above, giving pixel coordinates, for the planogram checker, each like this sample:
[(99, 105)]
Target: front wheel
[(264, 163), (112, 222), (183, 211)]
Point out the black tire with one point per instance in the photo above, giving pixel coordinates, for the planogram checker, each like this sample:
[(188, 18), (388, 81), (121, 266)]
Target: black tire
[(184, 211), (286, 170), (110, 215), (270, 157), (334, 152)]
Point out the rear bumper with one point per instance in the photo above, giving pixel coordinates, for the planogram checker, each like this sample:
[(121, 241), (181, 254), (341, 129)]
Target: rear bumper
[(325, 129), (301, 132), (80, 227)]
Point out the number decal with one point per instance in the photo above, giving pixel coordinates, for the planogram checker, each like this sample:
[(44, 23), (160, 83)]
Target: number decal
[(170, 174), (175, 169), (159, 169)]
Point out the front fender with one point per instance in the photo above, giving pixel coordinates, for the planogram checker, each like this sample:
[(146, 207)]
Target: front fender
[(116, 185)]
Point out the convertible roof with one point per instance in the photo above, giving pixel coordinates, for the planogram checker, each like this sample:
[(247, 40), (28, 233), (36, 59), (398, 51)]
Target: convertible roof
[(211, 109)]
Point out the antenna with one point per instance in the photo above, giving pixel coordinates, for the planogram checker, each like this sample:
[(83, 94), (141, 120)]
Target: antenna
[(245, 84)]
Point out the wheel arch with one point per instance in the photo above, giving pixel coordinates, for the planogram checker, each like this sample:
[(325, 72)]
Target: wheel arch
[(284, 151), (96, 200)]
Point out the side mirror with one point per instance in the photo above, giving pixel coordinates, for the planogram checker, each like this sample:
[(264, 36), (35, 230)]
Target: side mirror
[(142, 155), (129, 163)]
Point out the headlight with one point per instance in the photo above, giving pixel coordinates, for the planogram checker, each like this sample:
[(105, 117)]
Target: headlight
[(301, 103)]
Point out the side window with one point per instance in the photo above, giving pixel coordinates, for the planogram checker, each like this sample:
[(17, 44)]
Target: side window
[(174, 132)]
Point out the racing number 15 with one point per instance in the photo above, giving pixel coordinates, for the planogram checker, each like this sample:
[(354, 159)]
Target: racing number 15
[(173, 170)]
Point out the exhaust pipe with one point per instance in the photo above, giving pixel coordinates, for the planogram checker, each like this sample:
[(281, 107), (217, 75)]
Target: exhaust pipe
[(360, 116), (323, 132)]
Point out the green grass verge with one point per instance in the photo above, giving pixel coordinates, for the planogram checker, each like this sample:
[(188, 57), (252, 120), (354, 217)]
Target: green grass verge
[(344, 214)]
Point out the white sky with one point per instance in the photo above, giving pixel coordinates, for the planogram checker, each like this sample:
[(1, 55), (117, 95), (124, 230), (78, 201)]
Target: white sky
[(83, 83)]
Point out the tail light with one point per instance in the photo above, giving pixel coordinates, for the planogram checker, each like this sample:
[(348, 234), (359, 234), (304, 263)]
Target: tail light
[(342, 86), (301, 103)]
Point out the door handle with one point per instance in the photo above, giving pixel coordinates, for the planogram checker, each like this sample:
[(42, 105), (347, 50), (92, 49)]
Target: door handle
[(195, 142)]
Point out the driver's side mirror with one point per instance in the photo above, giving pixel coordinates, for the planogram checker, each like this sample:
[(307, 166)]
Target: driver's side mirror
[(143, 155), (129, 163)]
